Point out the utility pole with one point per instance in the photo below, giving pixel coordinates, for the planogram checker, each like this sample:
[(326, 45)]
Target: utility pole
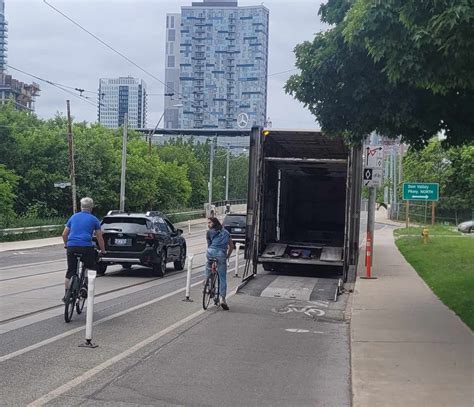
[(394, 180), (227, 175), (72, 166), (211, 172), (124, 162)]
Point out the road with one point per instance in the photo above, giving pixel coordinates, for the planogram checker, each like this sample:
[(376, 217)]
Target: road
[(155, 349)]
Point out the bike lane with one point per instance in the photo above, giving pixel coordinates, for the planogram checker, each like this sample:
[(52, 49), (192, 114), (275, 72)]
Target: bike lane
[(264, 351)]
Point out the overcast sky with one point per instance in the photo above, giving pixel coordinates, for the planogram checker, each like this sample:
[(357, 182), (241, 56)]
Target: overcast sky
[(42, 42)]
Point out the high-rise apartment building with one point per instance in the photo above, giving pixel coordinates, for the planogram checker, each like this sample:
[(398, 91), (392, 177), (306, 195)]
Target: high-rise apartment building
[(118, 96), (22, 95), (216, 65), (3, 36)]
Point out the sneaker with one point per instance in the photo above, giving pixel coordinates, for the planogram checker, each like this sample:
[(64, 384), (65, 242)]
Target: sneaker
[(64, 299), (224, 305)]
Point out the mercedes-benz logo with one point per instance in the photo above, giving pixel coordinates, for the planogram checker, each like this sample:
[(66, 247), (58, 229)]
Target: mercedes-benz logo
[(242, 120)]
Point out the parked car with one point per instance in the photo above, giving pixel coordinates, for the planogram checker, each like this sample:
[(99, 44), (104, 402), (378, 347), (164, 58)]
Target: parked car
[(235, 224), (148, 239), (466, 227)]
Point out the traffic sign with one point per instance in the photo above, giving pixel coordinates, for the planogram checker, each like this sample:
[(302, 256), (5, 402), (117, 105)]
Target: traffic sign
[(373, 177), (417, 191), (62, 184), (374, 157)]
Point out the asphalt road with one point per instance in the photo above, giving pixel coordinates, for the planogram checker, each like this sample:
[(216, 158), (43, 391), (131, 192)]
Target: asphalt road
[(155, 349)]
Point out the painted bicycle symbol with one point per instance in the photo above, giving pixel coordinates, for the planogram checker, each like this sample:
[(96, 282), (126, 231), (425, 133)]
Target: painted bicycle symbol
[(310, 310)]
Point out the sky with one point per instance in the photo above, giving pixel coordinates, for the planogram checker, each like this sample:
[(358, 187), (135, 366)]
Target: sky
[(44, 43)]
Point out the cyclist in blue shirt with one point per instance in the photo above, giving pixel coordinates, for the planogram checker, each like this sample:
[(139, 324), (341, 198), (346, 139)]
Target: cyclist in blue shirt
[(220, 247), (77, 237)]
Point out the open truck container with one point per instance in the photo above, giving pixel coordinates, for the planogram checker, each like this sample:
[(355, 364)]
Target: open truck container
[(303, 202)]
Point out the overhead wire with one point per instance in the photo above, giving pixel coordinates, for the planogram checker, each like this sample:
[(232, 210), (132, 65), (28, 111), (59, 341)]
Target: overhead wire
[(55, 84)]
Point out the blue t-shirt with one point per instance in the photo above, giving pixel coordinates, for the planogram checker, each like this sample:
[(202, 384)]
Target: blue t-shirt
[(217, 239), (81, 227)]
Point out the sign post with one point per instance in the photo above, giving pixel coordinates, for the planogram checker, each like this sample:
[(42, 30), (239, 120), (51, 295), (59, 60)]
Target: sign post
[(373, 177)]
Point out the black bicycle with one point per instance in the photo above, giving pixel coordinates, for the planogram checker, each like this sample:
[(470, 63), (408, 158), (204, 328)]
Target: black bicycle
[(211, 286), (76, 295)]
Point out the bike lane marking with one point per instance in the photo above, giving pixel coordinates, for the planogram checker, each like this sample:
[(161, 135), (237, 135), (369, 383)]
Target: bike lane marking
[(99, 368), (100, 321)]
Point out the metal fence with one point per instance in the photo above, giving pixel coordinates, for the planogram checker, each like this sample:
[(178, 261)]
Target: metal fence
[(421, 212)]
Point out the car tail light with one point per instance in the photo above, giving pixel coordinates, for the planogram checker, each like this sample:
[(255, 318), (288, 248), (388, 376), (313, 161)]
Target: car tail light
[(150, 236)]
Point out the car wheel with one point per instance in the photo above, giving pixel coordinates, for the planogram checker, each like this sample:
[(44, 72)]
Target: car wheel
[(101, 269), (159, 269), (179, 264), (126, 266)]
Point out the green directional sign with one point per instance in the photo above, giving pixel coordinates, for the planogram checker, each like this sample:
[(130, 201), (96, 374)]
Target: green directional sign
[(417, 191)]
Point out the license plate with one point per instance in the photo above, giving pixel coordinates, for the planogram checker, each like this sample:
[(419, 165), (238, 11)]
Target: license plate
[(121, 242), (237, 230)]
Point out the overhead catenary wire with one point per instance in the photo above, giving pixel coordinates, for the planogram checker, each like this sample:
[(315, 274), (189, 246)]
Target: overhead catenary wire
[(55, 84), (108, 46)]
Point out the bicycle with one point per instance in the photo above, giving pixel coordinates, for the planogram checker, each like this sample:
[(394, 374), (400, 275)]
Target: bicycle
[(211, 286), (76, 295)]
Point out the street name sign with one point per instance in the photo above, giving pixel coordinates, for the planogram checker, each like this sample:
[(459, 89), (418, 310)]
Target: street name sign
[(418, 191)]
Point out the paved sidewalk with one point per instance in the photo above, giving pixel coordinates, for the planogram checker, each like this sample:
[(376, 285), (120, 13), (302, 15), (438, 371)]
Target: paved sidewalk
[(51, 241), (408, 348)]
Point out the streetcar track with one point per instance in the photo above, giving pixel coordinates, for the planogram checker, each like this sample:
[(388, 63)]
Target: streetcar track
[(28, 314), (61, 269)]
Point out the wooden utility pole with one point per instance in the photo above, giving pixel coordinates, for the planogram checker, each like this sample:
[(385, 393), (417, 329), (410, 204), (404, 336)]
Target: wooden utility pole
[(72, 166)]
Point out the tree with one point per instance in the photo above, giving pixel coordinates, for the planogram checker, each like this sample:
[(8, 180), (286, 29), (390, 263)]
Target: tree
[(181, 152), (351, 95), (427, 44), (8, 183), (452, 168)]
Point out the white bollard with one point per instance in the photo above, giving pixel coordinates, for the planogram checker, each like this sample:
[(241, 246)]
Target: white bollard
[(91, 275), (237, 251), (189, 227), (188, 278)]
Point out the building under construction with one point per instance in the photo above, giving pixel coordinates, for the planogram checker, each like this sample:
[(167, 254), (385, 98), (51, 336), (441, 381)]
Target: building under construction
[(21, 94)]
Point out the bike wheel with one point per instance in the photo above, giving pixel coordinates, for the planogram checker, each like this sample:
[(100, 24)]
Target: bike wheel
[(208, 292), (70, 299), (81, 301), (215, 289)]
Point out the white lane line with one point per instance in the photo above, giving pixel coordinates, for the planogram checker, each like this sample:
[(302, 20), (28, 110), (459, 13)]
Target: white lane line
[(99, 368), (100, 321), (81, 328)]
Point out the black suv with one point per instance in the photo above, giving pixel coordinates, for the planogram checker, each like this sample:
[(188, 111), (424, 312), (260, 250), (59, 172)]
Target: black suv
[(235, 224), (149, 239)]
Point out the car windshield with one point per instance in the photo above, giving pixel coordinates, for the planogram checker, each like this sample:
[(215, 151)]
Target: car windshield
[(126, 224), (235, 220)]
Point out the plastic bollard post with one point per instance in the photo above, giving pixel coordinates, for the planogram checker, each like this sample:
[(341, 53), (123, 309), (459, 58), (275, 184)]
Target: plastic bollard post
[(91, 276), (188, 278), (237, 252)]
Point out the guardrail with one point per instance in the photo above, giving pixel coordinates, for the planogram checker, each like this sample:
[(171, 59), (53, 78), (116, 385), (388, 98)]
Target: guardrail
[(30, 229)]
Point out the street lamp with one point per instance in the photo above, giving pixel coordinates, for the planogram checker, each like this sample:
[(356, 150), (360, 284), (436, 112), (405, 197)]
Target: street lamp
[(157, 124)]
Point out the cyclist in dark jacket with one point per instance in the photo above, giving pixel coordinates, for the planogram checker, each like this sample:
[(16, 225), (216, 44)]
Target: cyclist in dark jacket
[(220, 247)]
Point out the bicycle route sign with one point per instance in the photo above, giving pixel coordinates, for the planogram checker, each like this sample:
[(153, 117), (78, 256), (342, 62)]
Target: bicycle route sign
[(419, 191)]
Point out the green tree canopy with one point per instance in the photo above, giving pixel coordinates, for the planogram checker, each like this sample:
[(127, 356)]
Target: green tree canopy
[(350, 93)]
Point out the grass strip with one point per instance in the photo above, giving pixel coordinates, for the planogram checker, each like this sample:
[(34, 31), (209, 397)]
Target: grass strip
[(446, 264)]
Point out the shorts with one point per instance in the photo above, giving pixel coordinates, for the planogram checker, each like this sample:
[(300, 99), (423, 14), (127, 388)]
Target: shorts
[(88, 257)]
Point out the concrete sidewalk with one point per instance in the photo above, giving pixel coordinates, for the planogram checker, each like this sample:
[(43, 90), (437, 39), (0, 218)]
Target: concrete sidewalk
[(408, 348), (51, 241)]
